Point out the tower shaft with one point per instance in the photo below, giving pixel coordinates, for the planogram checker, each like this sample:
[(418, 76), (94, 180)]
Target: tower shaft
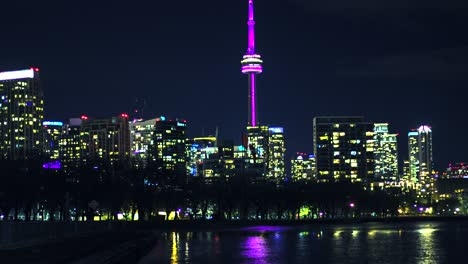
[(252, 100), (252, 65)]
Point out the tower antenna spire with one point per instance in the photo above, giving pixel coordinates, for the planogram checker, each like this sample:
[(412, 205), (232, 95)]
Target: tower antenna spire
[(252, 65)]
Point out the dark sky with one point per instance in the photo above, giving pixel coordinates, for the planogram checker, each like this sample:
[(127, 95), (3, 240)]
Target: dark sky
[(389, 61)]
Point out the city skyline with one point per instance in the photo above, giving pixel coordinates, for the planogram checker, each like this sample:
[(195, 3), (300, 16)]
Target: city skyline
[(65, 99)]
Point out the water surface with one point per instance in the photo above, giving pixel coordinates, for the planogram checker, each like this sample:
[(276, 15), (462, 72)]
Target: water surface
[(428, 242)]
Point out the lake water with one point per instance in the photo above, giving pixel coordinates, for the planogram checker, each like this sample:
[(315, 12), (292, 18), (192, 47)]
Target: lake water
[(425, 242)]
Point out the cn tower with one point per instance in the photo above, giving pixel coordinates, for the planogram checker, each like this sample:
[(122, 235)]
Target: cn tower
[(252, 65)]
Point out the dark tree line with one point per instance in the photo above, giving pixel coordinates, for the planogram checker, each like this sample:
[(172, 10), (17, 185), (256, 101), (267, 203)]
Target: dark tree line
[(104, 190)]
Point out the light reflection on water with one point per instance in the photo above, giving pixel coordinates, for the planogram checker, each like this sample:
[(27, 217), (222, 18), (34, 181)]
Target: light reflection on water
[(360, 243), (254, 249)]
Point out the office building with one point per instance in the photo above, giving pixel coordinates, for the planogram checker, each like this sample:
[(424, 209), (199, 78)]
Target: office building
[(199, 150), (385, 154), (265, 152), (275, 155)]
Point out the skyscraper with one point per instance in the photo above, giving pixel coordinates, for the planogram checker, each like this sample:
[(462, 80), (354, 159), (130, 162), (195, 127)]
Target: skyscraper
[(257, 138), (169, 151), (53, 132), (303, 168), (106, 140), (72, 146), (199, 150), (413, 153), (21, 115), (421, 164), (385, 153), (275, 155), (265, 151), (141, 138), (420, 153), (344, 149), (252, 65), (425, 153)]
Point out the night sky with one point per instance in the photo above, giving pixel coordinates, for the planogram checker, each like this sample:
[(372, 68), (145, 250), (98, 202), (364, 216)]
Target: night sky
[(389, 61)]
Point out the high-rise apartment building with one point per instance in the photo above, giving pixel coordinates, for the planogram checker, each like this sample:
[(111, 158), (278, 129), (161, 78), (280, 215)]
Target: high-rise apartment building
[(106, 139), (303, 168), (385, 154), (344, 149), (141, 138), (425, 153), (71, 145), (421, 164), (420, 153), (53, 132), (21, 115), (413, 154), (169, 151)]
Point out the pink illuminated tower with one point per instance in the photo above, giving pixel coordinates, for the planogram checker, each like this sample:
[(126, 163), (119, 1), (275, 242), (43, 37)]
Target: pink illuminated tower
[(252, 65)]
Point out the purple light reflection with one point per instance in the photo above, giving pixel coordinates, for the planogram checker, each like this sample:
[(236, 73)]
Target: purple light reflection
[(54, 165), (266, 228), (255, 249)]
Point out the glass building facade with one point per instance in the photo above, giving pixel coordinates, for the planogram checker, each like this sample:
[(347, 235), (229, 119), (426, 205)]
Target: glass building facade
[(385, 153), (265, 151), (276, 151)]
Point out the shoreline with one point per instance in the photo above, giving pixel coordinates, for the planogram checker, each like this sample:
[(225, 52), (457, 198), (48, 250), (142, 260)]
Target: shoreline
[(162, 225), (220, 224)]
